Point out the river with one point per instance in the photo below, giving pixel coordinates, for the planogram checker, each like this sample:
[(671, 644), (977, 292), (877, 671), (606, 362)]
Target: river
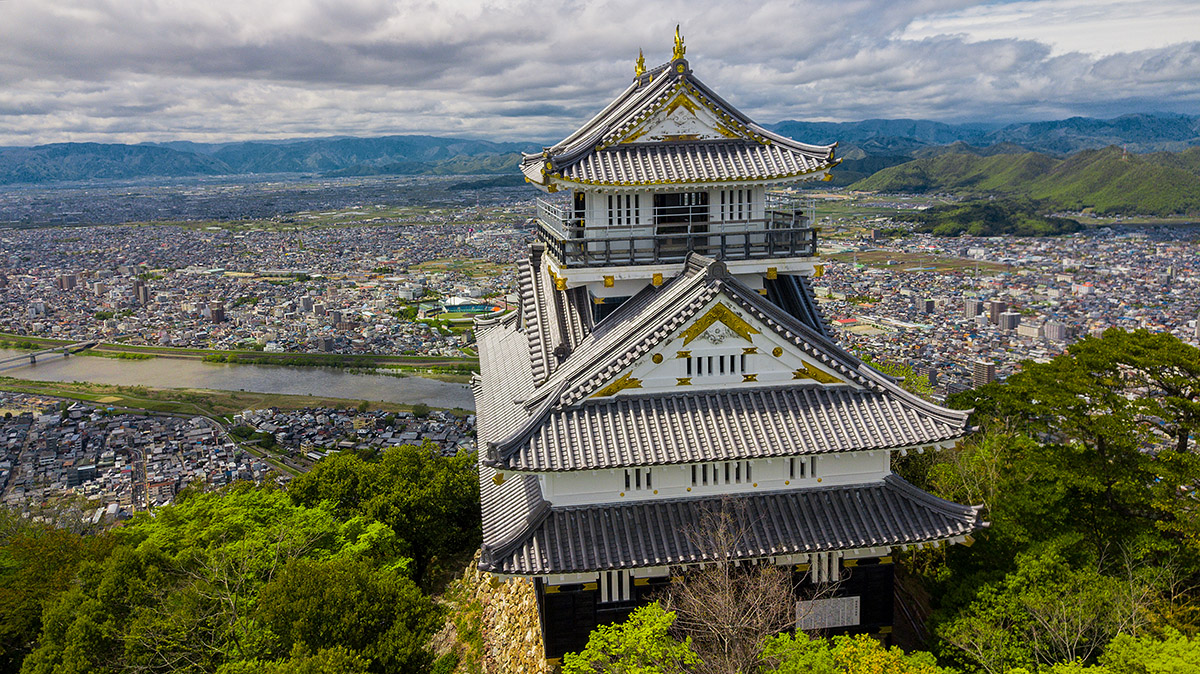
[(183, 373)]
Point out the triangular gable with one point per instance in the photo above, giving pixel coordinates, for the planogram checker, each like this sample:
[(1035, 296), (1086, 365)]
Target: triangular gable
[(683, 115), (721, 346), (602, 361)]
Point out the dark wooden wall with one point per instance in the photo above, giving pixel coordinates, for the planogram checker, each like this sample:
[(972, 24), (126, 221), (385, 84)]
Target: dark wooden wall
[(569, 613)]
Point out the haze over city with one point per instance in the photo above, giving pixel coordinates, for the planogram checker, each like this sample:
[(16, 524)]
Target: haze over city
[(517, 70)]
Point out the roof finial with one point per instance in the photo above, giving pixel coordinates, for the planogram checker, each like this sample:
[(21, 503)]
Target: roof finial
[(680, 50), (640, 67)]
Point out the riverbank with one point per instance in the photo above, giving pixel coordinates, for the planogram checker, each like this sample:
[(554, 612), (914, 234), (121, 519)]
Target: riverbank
[(250, 357), (196, 374), (203, 402)]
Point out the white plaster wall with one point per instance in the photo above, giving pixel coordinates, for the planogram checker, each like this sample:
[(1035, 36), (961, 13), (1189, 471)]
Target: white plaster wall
[(608, 486)]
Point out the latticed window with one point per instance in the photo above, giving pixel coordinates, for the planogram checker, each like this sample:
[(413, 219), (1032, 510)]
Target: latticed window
[(720, 473), (735, 205), (615, 586), (637, 479), (800, 467), (716, 365), (623, 209)]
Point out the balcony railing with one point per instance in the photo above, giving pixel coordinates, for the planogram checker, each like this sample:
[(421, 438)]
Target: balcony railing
[(784, 230)]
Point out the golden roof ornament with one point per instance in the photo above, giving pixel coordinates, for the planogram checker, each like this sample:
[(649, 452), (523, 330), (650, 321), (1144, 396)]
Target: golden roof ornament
[(639, 68), (680, 50)]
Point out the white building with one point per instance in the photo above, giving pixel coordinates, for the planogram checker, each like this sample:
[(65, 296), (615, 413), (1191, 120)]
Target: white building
[(668, 360)]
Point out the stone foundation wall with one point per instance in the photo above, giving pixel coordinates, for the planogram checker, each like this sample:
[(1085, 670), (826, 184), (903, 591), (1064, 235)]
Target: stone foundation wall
[(512, 637)]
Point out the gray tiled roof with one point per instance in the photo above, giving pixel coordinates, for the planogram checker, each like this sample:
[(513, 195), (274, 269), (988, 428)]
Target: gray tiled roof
[(555, 321), (554, 426), (513, 506), (727, 424), (690, 162), (659, 533), (588, 154), (505, 360), (794, 295)]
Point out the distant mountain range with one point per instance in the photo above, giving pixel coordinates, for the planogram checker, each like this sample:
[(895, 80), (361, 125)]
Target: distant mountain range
[(389, 155), (1107, 180), (1139, 133), (886, 154)]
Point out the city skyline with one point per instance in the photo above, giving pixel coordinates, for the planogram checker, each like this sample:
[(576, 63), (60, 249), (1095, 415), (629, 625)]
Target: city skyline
[(516, 70)]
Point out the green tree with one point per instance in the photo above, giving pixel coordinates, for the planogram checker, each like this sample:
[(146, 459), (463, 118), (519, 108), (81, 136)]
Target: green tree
[(430, 501), (336, 660), (378, 613), (1047, 612), (1172, 654), (1093, 435), (640, 645), (861, 654), (180, 590), (38, 561), (1166, 369)]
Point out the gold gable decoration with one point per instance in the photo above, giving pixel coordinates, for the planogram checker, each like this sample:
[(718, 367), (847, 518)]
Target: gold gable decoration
[(623, 382), (723, 314), (810, 371)]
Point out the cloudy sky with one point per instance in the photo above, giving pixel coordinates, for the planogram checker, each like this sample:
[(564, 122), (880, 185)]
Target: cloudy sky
[(217, 70)]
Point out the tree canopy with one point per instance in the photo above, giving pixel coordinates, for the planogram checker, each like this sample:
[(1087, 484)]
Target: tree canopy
[(245, 580)]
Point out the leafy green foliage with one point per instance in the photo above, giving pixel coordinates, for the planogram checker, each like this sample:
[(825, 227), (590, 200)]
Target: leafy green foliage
[(336, 660), (241, 580), (37, 563), (349, 603), (1047, 611), (430, 501), (992, 218), (640, 645), (801, 654), (1087, 472)]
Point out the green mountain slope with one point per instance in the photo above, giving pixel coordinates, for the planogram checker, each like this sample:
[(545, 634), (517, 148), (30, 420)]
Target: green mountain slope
[(1106, 180), (992, 218)]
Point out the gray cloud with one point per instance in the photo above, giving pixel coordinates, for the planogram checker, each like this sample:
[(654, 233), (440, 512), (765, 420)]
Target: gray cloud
[(126, 71)]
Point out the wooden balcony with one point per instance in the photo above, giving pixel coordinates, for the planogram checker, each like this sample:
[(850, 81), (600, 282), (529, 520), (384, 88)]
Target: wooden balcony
[(785, 230)]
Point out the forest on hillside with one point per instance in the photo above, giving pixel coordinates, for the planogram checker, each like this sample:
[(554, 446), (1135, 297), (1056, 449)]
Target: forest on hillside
[(1087, 468), (1106, 181)]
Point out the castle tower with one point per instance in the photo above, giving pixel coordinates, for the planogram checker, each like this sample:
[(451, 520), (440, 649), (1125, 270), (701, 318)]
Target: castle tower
[(668, 360)]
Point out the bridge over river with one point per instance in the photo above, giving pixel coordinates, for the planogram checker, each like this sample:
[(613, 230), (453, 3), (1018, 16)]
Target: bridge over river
[(31, 358)]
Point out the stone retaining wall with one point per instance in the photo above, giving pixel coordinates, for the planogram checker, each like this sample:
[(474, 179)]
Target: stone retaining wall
[(512, 637)]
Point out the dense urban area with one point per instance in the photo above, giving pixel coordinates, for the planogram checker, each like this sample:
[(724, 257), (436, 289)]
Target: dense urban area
[(407, 281), (354, 284), (123, 461)]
